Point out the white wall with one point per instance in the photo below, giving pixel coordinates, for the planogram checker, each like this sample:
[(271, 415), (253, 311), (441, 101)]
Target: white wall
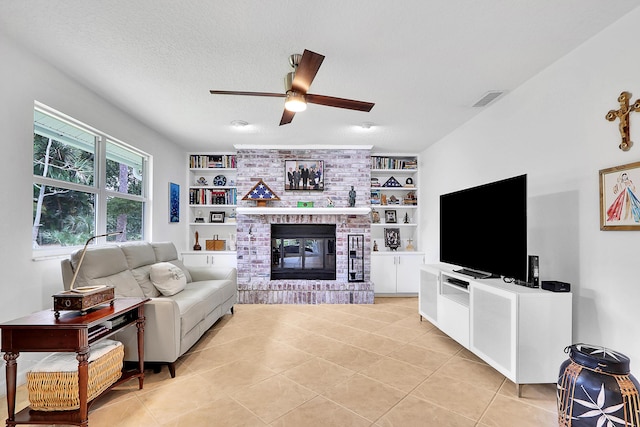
[(553, 128), (27, 285)]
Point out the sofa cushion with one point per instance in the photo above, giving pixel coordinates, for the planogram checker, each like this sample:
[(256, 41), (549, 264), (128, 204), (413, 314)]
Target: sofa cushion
[(168, 278), (138, 254), (98, 262), (124, 283), (142, 276), (166, 251)]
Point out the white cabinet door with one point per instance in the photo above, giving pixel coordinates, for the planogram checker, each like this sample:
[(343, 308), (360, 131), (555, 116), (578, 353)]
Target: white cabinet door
[(408, 272), (383, 274), (195, 260), (208, 259)]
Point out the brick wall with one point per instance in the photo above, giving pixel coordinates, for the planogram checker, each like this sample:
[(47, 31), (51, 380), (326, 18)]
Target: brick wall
[(342, 169)]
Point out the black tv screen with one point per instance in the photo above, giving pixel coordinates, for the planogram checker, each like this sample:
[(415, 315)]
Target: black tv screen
[(484, 229)]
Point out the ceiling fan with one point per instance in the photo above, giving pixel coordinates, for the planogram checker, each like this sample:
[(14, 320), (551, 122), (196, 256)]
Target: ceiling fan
[(297, 83)]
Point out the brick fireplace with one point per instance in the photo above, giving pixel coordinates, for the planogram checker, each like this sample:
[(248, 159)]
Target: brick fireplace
[(344, 167)]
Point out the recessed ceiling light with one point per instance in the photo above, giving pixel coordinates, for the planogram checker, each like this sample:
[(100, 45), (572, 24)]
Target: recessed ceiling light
[(367, 125), (239, 123)]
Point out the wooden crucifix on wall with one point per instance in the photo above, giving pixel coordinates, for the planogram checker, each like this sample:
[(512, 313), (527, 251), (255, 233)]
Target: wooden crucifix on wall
[(623, 115)]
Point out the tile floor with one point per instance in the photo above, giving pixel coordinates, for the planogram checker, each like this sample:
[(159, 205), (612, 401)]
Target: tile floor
[(325, 365)]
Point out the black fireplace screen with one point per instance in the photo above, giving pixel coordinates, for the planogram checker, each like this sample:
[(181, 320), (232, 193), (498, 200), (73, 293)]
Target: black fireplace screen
[(303, 251)]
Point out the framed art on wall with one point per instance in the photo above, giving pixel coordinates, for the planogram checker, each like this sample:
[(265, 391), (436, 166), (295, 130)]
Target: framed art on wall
[(304, 175), (216, 216), (619, 201), (174, 202)]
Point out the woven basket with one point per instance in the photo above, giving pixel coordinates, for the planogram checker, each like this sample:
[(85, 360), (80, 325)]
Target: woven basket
[(58, 391)]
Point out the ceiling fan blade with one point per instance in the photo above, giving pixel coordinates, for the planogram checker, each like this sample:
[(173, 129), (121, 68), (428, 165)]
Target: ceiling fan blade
[(306, 71), (233, 92), (287, 116), (332, 101)]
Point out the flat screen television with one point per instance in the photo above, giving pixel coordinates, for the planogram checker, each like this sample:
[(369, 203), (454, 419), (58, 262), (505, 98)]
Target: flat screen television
[(483, 229)]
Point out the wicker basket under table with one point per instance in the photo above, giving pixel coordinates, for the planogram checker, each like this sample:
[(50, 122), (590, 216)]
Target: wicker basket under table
[(57, 390)]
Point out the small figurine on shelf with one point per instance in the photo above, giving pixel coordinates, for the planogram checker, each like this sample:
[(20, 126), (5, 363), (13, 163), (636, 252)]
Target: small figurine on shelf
[(375, 246), (352, 197), (201, 181), (330, 202), (410, 245), (197, 246), (406, 217)]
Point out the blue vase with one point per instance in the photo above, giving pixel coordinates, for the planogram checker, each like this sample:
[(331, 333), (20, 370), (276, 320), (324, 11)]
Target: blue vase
[(595, 388)]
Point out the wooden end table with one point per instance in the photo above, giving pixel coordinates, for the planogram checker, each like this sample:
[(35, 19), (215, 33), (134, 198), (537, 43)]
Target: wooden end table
[(71, 332)]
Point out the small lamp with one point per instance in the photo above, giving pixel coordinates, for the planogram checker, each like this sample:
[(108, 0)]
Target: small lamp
[(85, 297)]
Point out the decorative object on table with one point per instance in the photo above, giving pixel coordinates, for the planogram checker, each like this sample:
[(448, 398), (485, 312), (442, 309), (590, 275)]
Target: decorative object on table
[(406, 218), (197, 246), (84, 297), (352, 197), (375, 197), (199, 217), (330, 203), (220, 180), (392, 238), (596, 388), (410, 199), (623, 115), (409, 245), (619, 199), (375, 246), (304, 175), (305, 204), (216, 216), (261, 193), (174, 202), (215, 244), (356, 257), (375, 216), (201, 181), (390, 216), (409, 182)]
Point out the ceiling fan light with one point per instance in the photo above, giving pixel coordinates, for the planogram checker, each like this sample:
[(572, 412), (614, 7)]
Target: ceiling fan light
[(295, 102)]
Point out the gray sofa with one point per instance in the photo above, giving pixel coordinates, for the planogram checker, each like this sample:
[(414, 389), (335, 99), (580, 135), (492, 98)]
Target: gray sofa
[(173, 323)]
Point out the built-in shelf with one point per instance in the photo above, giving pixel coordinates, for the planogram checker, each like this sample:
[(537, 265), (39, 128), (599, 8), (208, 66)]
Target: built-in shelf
[(302, 211)]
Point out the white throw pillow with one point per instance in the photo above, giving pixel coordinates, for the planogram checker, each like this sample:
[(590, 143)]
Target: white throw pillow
[(167, 278)]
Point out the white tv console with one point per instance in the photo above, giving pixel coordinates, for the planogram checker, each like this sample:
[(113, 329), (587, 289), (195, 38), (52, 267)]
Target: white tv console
[(521, 332)]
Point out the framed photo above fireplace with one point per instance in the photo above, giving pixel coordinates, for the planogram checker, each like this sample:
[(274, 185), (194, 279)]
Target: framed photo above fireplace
[(304, 175)]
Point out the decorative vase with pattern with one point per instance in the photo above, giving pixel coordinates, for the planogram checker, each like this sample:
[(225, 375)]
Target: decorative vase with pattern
[(596, 388)]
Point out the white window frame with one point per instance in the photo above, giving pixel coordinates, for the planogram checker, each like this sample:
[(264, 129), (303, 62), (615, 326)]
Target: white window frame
[(99, 183)]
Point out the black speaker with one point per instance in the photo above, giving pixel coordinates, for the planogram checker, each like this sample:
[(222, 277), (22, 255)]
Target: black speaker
[(555, 286), (534, 271)]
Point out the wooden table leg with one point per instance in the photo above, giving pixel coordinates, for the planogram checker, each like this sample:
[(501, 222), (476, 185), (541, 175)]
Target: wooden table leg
[(11, 370), (83, 385), (140, 325)]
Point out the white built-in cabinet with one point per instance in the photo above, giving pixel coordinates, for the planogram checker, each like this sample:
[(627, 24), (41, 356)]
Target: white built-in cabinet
[(212, 200), (394, 205), (519, 331), (396, 273)]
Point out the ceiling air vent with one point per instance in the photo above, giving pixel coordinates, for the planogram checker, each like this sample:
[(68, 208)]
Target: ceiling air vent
[(488, 98)]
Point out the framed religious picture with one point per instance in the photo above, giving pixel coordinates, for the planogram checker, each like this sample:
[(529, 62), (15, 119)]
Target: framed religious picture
[(304, 175), (392, 238), (390, 216), (619, 197)]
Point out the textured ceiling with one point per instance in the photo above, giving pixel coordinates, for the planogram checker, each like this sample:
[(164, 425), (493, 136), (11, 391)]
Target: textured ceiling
[(424, 63)]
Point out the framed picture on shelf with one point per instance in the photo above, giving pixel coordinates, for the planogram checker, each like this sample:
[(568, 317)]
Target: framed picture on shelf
[(174, 202), (390, 216), (216, 216), (392, 238), (375, 197), (304, 175), (619, 198)]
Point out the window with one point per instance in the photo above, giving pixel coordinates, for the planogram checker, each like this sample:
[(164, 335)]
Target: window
[(84, 183)]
